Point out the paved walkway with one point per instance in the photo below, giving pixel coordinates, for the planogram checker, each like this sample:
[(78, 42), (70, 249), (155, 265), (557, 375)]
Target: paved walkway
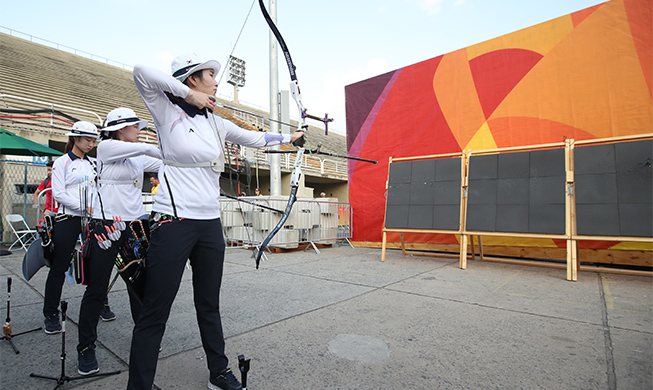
[(342, 319)]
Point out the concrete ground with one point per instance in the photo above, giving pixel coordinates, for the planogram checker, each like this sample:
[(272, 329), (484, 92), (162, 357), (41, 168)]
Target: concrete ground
[(342, 319)]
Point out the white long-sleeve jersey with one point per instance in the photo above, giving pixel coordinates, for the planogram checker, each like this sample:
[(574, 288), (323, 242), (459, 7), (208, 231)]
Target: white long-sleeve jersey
[(120, 167), (72, 178), (190, 138)]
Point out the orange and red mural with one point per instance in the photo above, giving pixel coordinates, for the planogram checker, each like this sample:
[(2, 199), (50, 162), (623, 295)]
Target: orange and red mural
[(585, 75)]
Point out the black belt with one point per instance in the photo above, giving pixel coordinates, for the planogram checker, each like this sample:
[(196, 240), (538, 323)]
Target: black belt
[(157, 217)]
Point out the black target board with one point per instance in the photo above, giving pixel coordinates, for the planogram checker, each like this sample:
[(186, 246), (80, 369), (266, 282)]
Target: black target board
[(614, 191), (424, 194), (520, 192)]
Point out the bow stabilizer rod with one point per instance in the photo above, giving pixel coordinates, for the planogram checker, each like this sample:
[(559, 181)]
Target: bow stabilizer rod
[(318, 151)]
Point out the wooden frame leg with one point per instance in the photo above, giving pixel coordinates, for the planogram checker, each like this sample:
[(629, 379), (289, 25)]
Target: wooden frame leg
[(572, 260), (384, 246), (480, 248), (463, 251)]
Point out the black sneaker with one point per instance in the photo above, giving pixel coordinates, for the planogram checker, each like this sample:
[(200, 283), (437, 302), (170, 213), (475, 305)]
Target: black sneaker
[(86, 361), (225, 381), (107, 314), (52, 324)]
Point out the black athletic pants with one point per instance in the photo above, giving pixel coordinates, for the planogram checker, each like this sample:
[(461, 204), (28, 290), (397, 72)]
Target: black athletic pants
[(171, 244), (64, 237), (97, 272)]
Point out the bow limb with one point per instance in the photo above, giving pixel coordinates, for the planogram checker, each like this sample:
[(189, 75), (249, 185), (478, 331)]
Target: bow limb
[(282, 43), (295, 179), (294, 84), (284, 217), (297, 96)]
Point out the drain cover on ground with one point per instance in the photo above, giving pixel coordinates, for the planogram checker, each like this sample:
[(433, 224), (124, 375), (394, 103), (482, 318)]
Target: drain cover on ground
[(365, 349)]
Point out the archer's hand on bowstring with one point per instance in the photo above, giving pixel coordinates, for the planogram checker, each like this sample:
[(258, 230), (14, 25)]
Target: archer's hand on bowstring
[(200, 99)]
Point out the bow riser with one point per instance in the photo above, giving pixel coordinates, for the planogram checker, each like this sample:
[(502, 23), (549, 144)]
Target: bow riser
[(296, 176), (297, 96)]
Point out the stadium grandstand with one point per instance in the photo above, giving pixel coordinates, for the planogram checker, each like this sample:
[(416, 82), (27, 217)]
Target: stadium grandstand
[(44, 88)]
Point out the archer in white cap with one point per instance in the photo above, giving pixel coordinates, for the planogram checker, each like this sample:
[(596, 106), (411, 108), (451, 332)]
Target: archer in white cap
[(71, 173), (190, 63), (121, 162), (186, 208)]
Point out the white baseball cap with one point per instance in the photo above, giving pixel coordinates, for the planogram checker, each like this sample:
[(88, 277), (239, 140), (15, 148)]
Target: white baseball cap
[(122, 117), (83, 129), (189, 63)]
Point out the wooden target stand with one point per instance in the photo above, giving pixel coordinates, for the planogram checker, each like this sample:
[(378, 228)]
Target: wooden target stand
[(570, 236)]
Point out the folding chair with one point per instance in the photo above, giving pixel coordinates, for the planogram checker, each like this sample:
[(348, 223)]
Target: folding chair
[(24, 234)]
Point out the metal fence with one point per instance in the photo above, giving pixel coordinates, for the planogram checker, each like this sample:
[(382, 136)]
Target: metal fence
[(246, 225), (18, 182), (312, 221), (315, 221)]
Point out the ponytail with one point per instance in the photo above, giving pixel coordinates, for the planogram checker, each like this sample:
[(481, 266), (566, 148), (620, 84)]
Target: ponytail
[(69, 145)]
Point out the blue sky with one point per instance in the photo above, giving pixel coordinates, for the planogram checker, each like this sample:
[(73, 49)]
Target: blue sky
[(333, 43)]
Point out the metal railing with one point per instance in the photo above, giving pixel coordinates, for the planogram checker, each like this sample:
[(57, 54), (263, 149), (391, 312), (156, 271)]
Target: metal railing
[(95, 57), (65, 48), (245, 225), (310, 222), (18, 182), (312, 164), (51, 106)]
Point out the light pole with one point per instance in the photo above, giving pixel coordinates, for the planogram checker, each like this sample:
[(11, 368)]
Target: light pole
[(236, 74)]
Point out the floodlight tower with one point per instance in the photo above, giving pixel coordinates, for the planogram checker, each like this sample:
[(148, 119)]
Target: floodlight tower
[(236, 75)]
